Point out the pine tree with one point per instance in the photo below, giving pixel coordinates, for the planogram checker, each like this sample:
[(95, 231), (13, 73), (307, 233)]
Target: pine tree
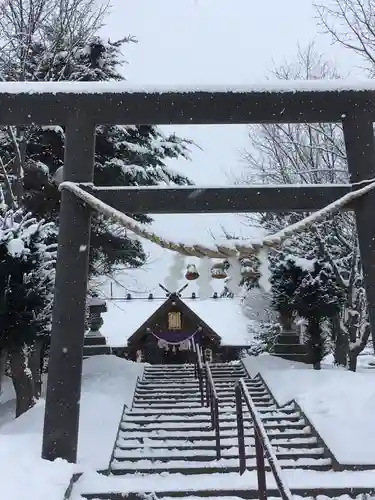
[(125, 155), (27, 258), (286, 276), (316, 298)]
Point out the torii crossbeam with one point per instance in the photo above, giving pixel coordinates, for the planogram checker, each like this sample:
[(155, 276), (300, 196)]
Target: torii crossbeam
[(82, 106)]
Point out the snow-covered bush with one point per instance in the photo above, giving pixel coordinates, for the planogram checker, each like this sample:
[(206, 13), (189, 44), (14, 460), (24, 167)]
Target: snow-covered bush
[(286, 276), (317, 297), (265, 338), (27, 272)]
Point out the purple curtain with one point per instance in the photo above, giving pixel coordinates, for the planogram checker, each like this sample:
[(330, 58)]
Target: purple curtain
[(176, 336)]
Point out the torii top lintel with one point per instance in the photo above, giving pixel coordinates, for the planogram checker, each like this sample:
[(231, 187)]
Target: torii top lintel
[(22, 103)]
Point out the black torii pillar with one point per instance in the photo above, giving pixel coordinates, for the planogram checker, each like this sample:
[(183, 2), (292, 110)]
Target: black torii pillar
[(60, 435), (360, 152)]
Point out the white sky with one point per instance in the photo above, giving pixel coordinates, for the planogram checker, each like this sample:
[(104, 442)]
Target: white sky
[(207, 42)]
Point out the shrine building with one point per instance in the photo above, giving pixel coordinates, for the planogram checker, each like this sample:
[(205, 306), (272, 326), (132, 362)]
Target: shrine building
[(161, 330)]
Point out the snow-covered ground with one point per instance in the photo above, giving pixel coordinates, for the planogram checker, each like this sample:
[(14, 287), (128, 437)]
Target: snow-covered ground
[(108, 384), (338, 403)]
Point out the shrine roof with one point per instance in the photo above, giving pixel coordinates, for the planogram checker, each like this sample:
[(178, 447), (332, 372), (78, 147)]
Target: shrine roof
[(124, 317), (225, 316)]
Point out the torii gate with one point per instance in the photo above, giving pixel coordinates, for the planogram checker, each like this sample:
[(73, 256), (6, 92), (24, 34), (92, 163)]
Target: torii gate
[(82, 106)]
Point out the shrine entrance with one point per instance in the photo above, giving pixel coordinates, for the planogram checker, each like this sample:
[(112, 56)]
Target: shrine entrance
[(174, 355)]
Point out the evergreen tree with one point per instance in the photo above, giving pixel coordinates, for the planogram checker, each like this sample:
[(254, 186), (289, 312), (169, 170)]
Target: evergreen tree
[(317, 297), (125, 155), (27, 258), (286, 276)]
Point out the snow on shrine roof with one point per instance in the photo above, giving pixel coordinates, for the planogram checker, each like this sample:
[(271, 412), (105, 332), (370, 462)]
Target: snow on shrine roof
[(124, 317), (223, 315), (125, 87), (226, 317)]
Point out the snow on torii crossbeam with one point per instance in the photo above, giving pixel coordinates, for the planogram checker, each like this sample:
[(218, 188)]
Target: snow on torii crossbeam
[(81, 106)]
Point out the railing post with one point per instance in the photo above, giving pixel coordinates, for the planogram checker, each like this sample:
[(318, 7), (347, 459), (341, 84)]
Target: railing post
[(240, 429), (212, 408), (194, 357), (208, 387), (201, 383), (60, 434), (261, 469), (215, 406)]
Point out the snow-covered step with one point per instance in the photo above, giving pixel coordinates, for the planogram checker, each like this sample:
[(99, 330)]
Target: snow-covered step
[(163, 455), (189, 412), (157, 443), (141, 391), (231, 407), (205, 434), (195, 400), (194, 383), (153, 404), (275, 417), (176, 367), (222, 377), (191, 368), (193, 389), (149, 399), (168, 368), (191, 374), (210, 467), (246, 492), (173, 426), (188, 386), (191, 406)]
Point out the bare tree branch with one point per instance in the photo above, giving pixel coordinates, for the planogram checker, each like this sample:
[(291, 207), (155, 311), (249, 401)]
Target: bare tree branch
[(350, 23)]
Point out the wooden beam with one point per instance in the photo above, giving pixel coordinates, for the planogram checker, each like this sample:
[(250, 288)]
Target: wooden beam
[(123, 105), (360, 151), (245, 199), (60, 433)]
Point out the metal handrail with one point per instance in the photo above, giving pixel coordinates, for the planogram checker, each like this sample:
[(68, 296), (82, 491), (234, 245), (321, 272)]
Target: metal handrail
[(212, 400), (198, 369), (262, 445)]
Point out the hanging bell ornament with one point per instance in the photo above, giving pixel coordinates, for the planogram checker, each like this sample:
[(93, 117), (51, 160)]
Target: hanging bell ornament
[(218, 271), (191, 273)]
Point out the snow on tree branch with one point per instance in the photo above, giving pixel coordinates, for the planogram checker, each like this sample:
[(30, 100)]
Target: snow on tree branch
[(216, 251), (279, 237)]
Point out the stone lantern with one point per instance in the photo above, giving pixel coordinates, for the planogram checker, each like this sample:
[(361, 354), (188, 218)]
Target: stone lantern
[(95, 342), (96, 307)]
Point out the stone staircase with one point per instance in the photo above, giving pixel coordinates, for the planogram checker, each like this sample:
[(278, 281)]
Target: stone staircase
[(167, 431)]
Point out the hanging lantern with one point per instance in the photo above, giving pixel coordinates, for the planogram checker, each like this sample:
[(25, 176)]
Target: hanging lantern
[(191, 273), (218, 271)]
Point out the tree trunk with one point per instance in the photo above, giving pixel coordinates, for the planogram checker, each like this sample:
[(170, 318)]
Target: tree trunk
[(315, 343), (341, 342), (358, 348), (3, 360), (35, 366), (22, 380), (356, 345), (352, 361)]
